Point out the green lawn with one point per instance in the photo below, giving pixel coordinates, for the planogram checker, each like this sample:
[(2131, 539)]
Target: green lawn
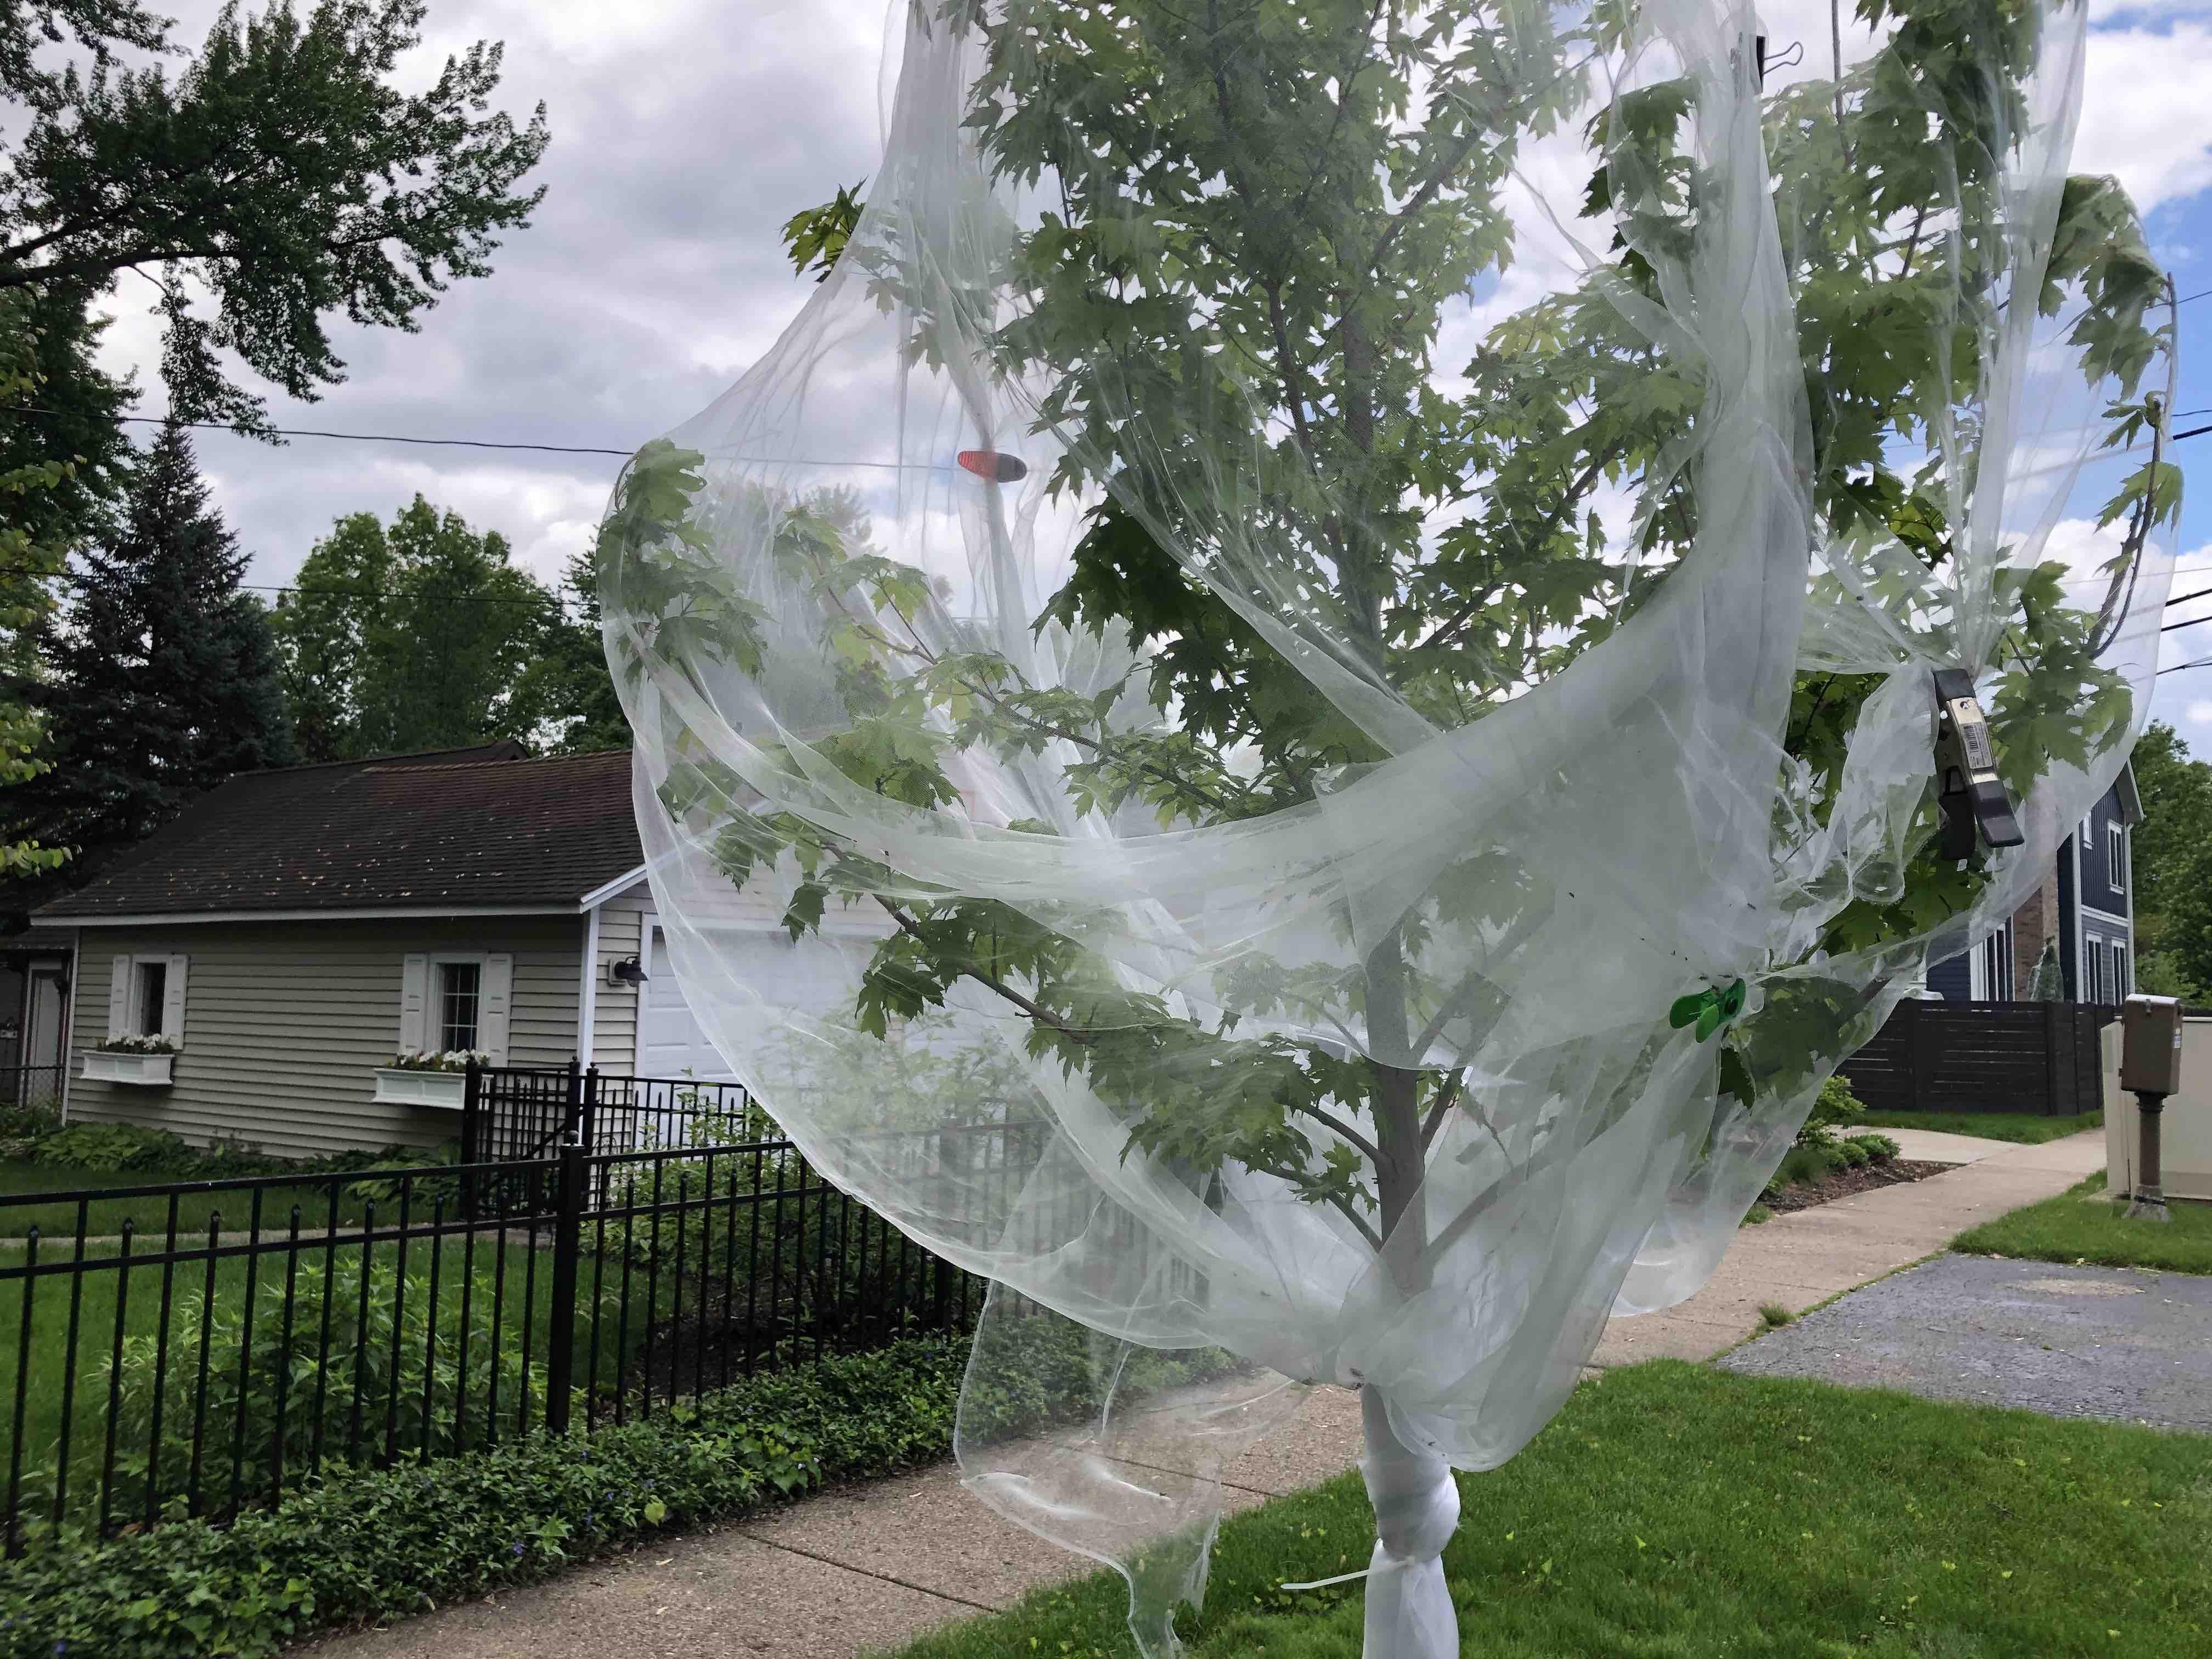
[(2023, 1127), (1675, 1512), (2084, 1224), (104, 1218)]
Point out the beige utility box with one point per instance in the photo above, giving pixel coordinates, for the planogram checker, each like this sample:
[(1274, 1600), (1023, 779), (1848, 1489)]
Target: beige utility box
[(2185, 1132)]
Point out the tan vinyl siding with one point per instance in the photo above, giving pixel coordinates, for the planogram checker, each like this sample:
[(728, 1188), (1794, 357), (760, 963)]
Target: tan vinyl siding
[(285, 1024), (614, 1012)]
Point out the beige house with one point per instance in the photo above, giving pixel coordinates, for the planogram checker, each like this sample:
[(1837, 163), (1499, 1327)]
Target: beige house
[(296, 929)]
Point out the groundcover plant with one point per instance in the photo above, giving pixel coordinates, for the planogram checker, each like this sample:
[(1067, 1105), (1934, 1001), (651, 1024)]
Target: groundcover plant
[(1322, 644)]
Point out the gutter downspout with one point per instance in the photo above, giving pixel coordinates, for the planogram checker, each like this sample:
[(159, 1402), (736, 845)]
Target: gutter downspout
[(587, 988), (69, 1018)]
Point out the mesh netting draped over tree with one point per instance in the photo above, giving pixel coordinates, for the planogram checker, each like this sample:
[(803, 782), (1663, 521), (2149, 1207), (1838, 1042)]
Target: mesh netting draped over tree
[(1324, 637)]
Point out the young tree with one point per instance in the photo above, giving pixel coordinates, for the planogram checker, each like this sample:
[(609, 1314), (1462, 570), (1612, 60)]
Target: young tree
[(280, 172), (1228, 313), (164, 675), (419, 636), (2170, 857)]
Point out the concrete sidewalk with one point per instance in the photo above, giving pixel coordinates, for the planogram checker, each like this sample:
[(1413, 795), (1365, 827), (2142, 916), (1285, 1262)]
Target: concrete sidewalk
[(874, 1565)]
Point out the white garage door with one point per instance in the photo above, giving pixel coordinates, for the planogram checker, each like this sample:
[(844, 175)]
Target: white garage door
[(669, 1041), (810, 976)]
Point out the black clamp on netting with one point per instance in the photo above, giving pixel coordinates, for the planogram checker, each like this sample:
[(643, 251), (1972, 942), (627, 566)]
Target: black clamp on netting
[(1974, 802)]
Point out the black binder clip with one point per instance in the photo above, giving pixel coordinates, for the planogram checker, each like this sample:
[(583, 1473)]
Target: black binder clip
[(1974, 802)]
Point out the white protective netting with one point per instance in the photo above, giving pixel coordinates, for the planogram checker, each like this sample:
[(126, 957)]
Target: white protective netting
[(1490, 486)]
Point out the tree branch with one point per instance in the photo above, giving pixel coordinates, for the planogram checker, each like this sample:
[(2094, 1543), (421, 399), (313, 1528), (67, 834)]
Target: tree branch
[(1330, 1121), (1043, 1016), (1447, 1094)]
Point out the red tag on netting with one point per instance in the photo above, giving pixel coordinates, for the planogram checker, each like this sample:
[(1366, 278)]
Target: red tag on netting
[(990, 465)]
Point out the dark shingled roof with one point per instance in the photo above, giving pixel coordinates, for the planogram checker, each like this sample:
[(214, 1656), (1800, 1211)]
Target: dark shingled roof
[(40, 941), (458, 829)]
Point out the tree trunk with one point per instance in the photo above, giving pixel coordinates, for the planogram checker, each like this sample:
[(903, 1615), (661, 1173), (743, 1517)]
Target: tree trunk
[(1409, 1607)]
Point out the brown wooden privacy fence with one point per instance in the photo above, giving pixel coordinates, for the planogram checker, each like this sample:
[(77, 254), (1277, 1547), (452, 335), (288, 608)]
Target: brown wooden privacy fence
[(2036, 1057)]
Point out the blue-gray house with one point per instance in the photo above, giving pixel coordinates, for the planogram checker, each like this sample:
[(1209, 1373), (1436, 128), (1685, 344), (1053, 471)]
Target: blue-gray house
[(2075, 932)]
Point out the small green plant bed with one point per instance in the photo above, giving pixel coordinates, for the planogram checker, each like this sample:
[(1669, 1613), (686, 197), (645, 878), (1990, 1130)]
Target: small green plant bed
[(380, 1544), (1673, 1510), (38, 1155), (2085, 1225), (2025, 1128), (149, 1217)]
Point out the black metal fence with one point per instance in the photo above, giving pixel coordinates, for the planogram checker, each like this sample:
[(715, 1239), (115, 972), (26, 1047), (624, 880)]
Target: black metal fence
[(203, 1347), (509, 1112), (1930, 1056)]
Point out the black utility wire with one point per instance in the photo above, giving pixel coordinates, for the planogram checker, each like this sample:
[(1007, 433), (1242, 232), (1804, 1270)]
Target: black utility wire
[(309, 432)]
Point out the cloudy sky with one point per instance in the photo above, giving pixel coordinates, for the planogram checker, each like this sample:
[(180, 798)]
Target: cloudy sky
[(685, 131)]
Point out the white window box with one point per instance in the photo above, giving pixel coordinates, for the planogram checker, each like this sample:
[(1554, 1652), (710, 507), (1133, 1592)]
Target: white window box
[(396, 1086), (148, 1071)]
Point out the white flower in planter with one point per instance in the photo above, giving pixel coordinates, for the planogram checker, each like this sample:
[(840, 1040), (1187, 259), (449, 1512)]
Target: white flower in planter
[(431, 1059)]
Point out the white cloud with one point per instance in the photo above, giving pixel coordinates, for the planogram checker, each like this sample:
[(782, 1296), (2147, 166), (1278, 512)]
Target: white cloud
[(2143, 110), (2200, 712), (684, 133)]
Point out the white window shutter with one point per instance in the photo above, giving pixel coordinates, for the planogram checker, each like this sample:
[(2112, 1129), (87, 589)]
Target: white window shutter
[(414, 992), (172, 1001), (497, 992), (118, 997)]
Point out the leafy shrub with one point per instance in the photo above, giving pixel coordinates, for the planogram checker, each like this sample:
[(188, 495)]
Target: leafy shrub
[(1802, 1165), (1835, 1108), (114, 1146), (720, 1218), (1879, 1147), (1854, 1156), (373, 1544), (132, 1147), (423, 1194), (31, 1122)]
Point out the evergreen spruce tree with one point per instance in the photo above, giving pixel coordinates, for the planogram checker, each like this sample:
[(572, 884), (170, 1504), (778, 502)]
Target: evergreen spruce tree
[(163, 677)]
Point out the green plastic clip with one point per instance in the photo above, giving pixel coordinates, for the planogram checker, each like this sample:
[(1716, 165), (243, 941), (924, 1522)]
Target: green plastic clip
[(1708, 1010)]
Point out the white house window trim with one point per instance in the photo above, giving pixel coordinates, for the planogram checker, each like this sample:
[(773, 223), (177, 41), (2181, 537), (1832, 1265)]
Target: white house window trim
[(423, 995), (435, 1022), (2116, 861), (128, 1014)]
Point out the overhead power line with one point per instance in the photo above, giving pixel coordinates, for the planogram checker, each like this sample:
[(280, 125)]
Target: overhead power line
[(568, 449), (311, 432)]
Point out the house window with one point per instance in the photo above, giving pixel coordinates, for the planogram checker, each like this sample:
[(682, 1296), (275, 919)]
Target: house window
[(2115, 859), (460, 997), (1996, 965), (149, 996), (2123, 980)]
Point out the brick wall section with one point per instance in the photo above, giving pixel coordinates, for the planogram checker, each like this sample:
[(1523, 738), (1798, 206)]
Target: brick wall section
[(2033, 924)]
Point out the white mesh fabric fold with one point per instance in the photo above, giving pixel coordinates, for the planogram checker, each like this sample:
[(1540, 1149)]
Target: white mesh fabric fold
[(863, 721)]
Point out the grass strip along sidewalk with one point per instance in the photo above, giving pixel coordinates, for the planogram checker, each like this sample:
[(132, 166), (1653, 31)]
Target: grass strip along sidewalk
[(1672, 1511), (2083, 1224), (2027, 1128)]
